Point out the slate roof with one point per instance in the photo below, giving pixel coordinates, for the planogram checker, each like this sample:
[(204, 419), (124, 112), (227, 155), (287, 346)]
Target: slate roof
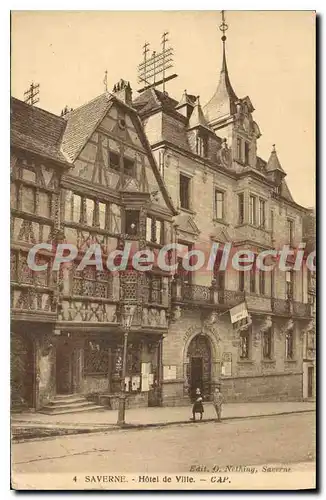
[(223, 101), (274, 163), (81, 123), (36, 130), (152, 99)]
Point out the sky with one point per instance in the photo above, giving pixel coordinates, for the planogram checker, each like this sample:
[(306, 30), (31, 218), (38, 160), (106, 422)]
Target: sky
[(270, 56)]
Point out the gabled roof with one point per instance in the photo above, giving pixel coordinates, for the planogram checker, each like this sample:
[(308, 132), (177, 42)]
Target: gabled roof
[(36, 130), (81, 123)]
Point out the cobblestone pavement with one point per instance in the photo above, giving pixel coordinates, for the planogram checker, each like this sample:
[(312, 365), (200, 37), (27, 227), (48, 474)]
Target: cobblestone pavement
[(279, 439)]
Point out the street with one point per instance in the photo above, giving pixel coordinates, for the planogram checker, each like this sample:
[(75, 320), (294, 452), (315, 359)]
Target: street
[(269, 440)]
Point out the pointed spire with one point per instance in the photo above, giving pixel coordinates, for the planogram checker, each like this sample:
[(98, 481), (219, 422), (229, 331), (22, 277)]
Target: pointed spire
[(273, 163), (223, 101), (197, 117)]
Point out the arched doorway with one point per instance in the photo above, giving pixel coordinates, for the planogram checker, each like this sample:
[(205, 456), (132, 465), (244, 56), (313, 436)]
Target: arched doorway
[(199, 365)]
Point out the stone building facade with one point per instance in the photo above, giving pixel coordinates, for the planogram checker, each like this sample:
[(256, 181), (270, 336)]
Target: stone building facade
[(310, 340), (227, 194)]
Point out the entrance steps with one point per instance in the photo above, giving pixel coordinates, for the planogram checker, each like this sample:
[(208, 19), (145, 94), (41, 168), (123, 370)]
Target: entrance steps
[(69, 403)]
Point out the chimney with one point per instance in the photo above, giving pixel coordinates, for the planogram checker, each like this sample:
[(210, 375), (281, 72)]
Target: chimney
[(123, 91)]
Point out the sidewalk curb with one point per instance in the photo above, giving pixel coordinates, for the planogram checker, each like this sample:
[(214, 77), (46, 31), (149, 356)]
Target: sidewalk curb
[(114, 427)]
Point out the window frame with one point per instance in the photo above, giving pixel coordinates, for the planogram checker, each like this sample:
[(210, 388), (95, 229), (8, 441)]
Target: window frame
[(270, 354), (247, 152), (188, 184), (246, 333), (241, 208), (218, 191), (239, 149), (153, 227), (290, 354), (290, 231), (262, 218), (262, 282), (252, 210)]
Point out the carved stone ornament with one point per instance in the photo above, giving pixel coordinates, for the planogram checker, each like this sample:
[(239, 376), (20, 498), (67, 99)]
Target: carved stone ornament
[(268, 323)]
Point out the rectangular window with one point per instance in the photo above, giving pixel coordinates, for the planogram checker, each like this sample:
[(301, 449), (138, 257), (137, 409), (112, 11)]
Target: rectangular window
[(184, 192), (129, 167), (131, 222), (96, 358), (272, 222), (289, 344), (76, 208), (184, 275), (289, 277), (92, 283), (102, 215), (89, 212), (253, 279), (154, 230), (202, 146), (267, 344), (262, 282), (241, 281), (114, 161), (219, 204), (290, 228), (44, 204), (28, 200), (252, 210), (247, 153), (261, 213), (114, 218), (241, 207), (155, 289), (239, 149), (245, 344)]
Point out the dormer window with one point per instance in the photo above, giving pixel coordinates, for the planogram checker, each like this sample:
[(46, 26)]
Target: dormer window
[(202, 146)]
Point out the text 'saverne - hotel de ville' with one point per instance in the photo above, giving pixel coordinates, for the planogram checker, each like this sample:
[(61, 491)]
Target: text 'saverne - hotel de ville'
[(154, 169)]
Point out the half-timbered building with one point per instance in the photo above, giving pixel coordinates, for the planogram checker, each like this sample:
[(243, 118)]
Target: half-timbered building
[(86, 178)]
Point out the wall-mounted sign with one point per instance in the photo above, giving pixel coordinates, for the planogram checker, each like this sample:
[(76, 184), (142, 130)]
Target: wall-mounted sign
[(169, 372)]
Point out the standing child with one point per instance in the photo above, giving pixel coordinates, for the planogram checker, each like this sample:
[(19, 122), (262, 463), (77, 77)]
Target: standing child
[(198, 405), (218, 401)]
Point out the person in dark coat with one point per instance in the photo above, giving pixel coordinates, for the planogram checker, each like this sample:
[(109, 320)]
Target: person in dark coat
[(198, 405)]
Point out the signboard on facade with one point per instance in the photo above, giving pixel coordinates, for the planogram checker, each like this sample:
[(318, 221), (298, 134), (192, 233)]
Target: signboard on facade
[(239, 312), (226, 368), (169, 372)]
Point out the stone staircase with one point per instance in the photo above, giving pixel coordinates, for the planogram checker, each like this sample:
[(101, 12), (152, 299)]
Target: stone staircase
[(69, 403)]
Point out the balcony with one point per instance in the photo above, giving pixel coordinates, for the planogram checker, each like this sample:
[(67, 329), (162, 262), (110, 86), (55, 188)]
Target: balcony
[(290, 308), (195, 293), (255, 234), (205, 295), (281, 306), (301, 310), (230, 298)]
